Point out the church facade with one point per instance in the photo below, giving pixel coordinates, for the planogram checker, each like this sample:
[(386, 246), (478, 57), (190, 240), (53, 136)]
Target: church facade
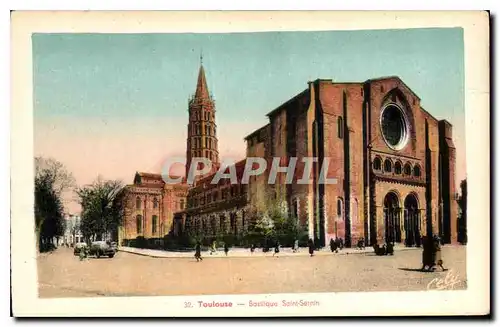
[(393, 162)]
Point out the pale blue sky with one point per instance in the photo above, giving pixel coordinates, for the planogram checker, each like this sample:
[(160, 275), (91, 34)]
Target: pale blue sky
[(100, 91), (152, 74)]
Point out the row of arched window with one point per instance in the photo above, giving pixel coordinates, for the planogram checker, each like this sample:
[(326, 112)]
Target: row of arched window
[(340, 209), (397, 168), (223, 194), (138, 203), (354, 210), (209, 130), (204, 153), (207, 115), (210, 143), (139, 224)]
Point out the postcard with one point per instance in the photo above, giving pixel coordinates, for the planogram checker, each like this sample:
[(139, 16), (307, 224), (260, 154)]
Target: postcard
[(250, 164)]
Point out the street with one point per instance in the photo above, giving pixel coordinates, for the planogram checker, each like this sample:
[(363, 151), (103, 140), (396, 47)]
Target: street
[(61, 274)]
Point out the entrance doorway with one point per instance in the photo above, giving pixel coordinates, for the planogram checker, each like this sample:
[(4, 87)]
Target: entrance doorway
[(412, 221), (392, 218)]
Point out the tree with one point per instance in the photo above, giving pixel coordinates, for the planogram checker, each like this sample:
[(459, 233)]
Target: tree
[(55, 173), (274, 222), (103, 204), (51, 180), (462, 203)]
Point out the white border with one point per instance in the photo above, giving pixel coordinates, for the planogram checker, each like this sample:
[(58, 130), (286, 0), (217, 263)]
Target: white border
[(474, 300)]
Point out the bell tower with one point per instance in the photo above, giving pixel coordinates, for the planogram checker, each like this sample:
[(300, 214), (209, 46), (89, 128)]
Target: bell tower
[(202, 130)]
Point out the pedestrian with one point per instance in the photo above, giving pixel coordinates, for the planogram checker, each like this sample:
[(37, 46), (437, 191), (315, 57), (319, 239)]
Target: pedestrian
[(296, 246), (310, 244), (213, 248), (438, 259), (252, 248), (82, 254), (226, 248), (197, 253), (276, 249)]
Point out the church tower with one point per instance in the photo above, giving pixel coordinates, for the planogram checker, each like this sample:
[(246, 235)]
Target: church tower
[(202, 130)]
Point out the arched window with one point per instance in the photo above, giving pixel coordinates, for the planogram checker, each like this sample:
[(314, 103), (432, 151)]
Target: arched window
[(416, 171), (377, 163), (138, 221), (155, 224), (138, 202), (387, 166), (407, 169), (340, 127), (340, 206), (155, 203), (398, 168)]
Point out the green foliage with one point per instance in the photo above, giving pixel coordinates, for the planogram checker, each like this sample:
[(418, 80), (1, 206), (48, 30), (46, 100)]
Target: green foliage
[(274, 225), (51, 180), (184, 241), (103, 207), (141, 242)]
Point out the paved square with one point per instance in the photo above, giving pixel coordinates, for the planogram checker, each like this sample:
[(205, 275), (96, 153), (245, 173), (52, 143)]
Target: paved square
[(61, 274)]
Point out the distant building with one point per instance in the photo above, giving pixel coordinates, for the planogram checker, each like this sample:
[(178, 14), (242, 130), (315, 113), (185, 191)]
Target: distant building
[(72, 232)]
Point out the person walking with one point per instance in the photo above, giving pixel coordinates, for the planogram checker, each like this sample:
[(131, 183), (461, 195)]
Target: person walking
[(296, 246), (197, 253), (213, 248), (252, 248), (83, 254), (276, 249), (226, 248), (310, 244)]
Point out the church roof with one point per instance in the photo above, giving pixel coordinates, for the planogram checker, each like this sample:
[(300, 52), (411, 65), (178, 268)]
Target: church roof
[(149, 175), (201, 86)]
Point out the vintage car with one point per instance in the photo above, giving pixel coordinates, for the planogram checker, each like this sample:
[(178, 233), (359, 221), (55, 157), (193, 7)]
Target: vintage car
[(79, 247), (102, 248)]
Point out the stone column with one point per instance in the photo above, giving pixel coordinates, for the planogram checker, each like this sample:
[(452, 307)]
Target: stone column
[(402, 229), (380, 224), (422, 221)]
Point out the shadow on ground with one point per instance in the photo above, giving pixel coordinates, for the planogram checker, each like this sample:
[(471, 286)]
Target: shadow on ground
[(420, 270)]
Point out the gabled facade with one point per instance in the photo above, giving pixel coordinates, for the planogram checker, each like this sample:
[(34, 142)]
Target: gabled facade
[(394, 163)]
